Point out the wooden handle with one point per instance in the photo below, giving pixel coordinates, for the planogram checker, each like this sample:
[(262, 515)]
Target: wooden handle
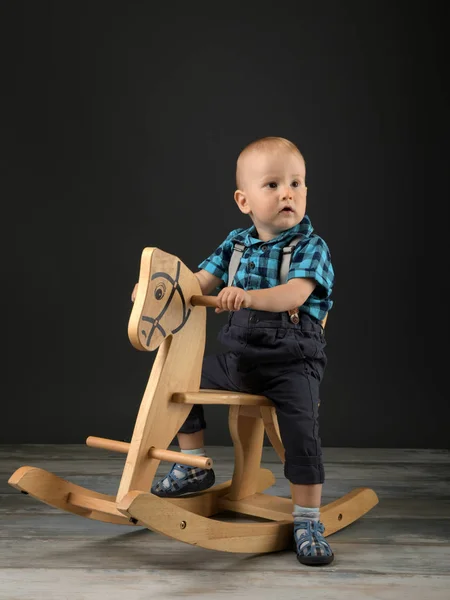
[(212, 301), (204, 301)]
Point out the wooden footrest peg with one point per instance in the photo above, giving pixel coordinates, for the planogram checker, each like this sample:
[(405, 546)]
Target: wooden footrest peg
[(203, 462)]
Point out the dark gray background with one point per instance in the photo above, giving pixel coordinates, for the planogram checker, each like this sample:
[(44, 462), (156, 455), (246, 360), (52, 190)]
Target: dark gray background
[(121, 126)]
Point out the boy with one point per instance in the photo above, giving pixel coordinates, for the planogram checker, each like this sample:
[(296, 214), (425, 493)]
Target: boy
[(270, 353)]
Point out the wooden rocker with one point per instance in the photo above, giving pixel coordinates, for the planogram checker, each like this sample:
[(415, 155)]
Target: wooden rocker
[(169, 314)]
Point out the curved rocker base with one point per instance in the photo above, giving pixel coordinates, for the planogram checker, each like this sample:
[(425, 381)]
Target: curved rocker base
[(62, 494), (176, 522), (186, 519), (181, 524)]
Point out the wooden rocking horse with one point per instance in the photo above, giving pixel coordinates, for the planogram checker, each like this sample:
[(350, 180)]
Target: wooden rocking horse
[(169, 314)]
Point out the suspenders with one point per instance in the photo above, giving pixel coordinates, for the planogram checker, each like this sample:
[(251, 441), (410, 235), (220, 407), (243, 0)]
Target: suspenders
[(286, 257)]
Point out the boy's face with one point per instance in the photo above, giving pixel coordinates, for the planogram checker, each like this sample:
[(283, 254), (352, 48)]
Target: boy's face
[(273, 191)]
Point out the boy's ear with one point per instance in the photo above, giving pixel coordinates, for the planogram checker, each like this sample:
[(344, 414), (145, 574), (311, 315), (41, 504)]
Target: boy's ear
[(241, 201)]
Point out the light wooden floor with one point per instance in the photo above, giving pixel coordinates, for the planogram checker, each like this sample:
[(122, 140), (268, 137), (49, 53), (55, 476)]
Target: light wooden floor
[(400, 550)]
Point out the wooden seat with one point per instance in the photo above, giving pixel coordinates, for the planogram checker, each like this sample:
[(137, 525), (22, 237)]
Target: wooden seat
[(169, 314), (220, 397)]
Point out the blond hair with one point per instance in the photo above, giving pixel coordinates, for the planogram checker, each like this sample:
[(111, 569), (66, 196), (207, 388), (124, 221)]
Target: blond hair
[(265, 144)]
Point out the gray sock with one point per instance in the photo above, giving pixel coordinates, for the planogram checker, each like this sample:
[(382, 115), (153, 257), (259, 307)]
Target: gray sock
[(303, 513), (196, 451)]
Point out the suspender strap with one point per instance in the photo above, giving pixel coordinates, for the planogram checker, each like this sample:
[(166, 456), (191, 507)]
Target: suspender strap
[(284, 271), (286, 259), (238, 251)]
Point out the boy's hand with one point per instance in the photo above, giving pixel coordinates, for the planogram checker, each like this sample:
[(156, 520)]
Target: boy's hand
[(232, 298), (134, 292)]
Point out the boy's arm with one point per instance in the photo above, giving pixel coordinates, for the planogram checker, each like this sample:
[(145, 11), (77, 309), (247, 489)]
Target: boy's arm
[(207, 281), (283, 297)]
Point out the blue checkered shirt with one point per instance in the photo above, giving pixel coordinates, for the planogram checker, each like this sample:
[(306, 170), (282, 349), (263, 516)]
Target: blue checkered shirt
[(260, 264)]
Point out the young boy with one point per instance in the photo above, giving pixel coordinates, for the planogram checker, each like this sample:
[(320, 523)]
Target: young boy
[(270, 353)]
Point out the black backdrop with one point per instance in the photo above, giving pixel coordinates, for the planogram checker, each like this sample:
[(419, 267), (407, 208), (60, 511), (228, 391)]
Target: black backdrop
[(121, 124)]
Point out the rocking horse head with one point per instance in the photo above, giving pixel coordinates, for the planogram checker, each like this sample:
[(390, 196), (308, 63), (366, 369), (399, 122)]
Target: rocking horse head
[(161, 307)]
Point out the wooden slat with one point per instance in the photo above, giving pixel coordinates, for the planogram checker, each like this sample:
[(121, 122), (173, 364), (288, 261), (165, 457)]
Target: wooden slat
[(260, 505), (219, 397), (90, 503), (208, 503)]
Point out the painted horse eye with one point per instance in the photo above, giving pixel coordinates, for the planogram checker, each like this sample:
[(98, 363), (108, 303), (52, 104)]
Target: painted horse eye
[(160, 291)]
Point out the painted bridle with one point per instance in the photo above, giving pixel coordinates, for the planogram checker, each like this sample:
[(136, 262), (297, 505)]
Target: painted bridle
[(160, 292)]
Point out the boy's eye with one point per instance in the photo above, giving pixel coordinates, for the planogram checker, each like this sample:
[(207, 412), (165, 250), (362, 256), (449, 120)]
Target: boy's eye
[(272, 184), (295, 184)]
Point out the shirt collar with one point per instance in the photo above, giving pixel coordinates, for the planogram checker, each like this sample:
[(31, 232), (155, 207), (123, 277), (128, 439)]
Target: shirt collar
[(304, 228)]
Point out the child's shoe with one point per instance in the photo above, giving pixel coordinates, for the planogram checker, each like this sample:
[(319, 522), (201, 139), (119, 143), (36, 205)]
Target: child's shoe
[(312, 548), (182, 479)]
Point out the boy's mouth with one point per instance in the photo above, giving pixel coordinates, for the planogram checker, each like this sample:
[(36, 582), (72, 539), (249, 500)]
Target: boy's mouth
[(287, 209)]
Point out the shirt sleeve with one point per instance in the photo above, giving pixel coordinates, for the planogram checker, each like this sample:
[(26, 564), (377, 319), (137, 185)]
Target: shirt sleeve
[(313, 260), (217, 263)]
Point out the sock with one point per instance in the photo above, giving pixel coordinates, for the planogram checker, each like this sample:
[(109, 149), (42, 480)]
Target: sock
[(196, 451), (303, 513), (312, 545), (180, 474)]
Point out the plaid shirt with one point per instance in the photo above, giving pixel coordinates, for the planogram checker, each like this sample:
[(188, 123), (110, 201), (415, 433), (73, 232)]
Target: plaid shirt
[(260, 264)]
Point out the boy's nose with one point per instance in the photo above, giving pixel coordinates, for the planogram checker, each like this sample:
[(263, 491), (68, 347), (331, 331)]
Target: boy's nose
[(287, 192)]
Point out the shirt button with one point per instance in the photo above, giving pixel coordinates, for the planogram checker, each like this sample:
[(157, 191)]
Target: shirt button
[(263, 248), (252, 265)]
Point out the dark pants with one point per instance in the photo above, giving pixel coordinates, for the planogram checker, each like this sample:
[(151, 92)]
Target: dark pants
[(285, 362)]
